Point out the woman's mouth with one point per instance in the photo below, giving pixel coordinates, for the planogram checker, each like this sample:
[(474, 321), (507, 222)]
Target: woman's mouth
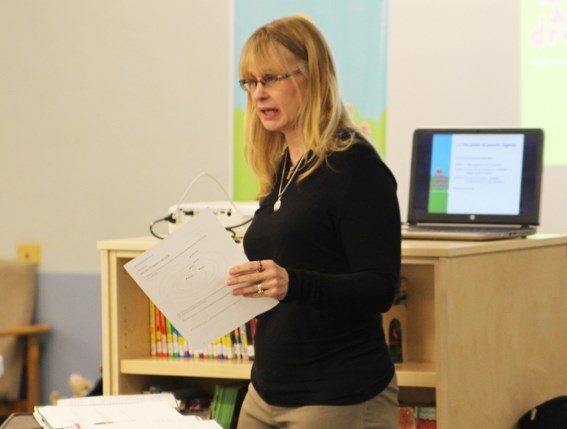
[(268, 112)]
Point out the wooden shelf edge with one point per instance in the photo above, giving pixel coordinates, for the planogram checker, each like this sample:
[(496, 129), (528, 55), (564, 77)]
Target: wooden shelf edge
[(410, 374), (181, 367), (416, 374)]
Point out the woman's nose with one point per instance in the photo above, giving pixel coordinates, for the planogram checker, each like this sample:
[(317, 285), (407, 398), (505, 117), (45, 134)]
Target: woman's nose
[(258, 92)]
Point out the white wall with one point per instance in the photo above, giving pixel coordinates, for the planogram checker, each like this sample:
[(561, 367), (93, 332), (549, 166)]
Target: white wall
[(450, 65), (108, 110), (457, 64)]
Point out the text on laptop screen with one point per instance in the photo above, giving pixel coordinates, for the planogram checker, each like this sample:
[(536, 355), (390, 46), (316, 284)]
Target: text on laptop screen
[(484, 175)]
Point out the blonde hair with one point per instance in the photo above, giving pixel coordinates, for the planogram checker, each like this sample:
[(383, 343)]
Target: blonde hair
[(322, 113)]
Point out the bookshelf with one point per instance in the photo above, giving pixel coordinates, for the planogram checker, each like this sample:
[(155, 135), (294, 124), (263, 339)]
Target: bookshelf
[(486, 328)]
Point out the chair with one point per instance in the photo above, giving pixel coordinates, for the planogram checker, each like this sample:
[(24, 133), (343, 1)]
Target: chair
[(19, 339)]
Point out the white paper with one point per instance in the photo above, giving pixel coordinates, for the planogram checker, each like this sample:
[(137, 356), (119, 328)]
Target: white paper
[(62, 416), (166, 397), (185, 276), (137, 411), (186, 422)]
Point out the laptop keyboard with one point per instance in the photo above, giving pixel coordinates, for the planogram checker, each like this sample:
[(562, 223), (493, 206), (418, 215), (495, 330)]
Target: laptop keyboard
[(459, 228)]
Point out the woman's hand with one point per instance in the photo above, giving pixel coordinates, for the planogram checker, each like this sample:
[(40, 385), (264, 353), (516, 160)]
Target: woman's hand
[(259, 279)]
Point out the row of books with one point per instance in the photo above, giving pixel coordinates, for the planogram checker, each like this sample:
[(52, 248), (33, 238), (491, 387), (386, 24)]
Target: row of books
[(416, 417), (167, 341)]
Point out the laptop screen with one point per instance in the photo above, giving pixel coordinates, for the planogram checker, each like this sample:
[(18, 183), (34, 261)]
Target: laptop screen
[(476, 176)]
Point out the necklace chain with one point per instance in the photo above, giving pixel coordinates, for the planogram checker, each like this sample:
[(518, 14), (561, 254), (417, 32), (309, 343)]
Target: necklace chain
[(293, 170), (290, 172)]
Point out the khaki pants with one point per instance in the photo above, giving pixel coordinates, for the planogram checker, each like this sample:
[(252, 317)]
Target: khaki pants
[(376, 413)]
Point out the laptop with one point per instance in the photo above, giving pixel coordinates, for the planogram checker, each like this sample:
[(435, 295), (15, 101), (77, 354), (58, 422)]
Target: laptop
[(474, 184)]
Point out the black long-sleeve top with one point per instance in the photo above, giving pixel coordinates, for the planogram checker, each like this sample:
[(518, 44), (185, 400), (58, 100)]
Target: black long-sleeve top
[(337, 234)]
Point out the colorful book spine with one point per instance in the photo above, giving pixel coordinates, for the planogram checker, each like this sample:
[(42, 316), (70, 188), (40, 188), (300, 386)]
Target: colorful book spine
[(426, 418), (163, 334), (244, 338), (158, 330), (153, 345), (169, 336), (250, 339), (416, 417)]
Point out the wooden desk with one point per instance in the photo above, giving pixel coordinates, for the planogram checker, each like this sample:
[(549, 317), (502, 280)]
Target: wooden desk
[(486, 328)]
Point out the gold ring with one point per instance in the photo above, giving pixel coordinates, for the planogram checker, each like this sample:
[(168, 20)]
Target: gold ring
[(260, 268), (260, 289)]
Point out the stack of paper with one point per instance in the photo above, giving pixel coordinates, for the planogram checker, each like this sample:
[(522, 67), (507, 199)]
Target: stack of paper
[(118, 412)]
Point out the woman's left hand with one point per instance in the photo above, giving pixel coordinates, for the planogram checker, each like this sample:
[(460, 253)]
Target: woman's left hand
[(259, 279)]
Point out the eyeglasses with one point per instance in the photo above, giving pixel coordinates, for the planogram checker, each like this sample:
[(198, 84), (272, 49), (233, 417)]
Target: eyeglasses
[(269, 80)]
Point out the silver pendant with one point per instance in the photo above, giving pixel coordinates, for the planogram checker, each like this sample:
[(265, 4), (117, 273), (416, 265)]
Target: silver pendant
[(277, 204)]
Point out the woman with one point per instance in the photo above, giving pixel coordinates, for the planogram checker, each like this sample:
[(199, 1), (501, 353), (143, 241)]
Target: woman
[(325, 242)]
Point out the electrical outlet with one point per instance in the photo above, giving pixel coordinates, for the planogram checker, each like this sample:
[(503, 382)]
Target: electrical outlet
[(29, 252)]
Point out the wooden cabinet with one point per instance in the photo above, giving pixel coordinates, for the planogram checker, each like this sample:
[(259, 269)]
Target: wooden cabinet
[(486, 332)]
